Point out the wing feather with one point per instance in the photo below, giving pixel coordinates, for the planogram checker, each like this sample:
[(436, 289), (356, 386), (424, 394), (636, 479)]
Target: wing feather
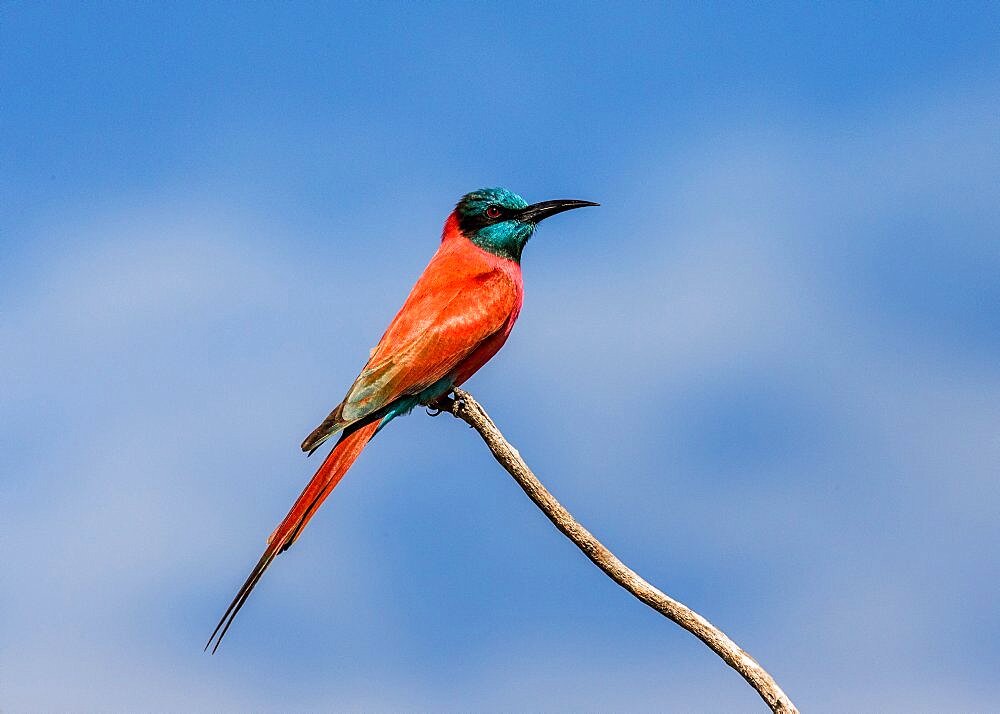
[(417, 356), (450, 312)]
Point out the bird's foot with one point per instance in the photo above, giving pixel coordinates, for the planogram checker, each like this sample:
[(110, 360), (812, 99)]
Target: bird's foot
[(444, 403)]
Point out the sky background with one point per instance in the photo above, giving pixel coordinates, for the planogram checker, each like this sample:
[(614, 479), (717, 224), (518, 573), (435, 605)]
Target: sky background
[(766, 372)]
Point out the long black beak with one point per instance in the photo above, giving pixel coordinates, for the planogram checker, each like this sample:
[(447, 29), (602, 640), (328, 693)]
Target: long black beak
[(537, 212)]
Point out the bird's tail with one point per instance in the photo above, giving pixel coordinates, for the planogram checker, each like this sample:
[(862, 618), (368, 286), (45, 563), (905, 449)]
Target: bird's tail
[(323, 482)]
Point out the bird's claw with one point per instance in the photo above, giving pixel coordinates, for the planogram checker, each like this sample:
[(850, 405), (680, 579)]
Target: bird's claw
[(443, 403)]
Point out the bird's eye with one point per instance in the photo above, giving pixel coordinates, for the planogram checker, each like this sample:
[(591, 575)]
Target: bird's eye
[(493, 211)]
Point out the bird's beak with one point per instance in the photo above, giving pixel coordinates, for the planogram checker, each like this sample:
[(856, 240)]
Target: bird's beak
[(538, 212)]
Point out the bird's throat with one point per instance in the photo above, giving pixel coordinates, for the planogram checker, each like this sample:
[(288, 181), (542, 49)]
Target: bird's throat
[(506, 239)]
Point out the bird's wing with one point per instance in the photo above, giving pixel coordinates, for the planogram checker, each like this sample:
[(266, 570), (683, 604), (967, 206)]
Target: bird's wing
[(449, 313)]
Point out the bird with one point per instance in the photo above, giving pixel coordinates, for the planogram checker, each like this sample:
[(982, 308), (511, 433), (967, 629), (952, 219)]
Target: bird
[(457, 316)]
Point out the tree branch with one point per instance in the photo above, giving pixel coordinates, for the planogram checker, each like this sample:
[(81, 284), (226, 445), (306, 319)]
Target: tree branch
[(468, 409)]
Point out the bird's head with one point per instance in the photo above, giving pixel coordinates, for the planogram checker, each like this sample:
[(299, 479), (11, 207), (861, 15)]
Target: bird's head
[(501, 222)]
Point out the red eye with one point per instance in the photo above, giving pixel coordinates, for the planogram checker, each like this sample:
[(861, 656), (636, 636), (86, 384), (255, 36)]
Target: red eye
[(493, 211)]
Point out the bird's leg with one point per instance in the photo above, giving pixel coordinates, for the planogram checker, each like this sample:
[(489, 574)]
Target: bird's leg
[(444, 403)]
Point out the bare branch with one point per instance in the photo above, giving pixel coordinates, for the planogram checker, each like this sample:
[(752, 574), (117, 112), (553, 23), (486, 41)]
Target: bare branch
[(468, 409)]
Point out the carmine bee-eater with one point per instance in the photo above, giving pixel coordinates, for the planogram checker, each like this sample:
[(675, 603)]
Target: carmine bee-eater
[(455, 319)]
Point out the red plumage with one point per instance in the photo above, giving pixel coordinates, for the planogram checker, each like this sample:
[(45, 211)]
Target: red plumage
[(457, 316)]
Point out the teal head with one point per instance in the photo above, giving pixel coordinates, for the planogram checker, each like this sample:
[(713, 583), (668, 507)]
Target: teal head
[(501, 222)]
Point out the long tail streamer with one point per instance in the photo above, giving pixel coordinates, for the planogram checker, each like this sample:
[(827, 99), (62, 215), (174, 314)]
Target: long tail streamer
[(333, 468)]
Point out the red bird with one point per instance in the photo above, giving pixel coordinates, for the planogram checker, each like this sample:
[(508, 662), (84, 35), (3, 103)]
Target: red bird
[(455, 319)]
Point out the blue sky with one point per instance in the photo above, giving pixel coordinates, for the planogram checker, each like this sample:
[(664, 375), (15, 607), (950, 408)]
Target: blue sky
[(764, 372)]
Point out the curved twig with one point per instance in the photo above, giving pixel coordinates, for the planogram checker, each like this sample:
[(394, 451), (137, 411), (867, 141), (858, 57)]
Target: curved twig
[(469, 410)]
